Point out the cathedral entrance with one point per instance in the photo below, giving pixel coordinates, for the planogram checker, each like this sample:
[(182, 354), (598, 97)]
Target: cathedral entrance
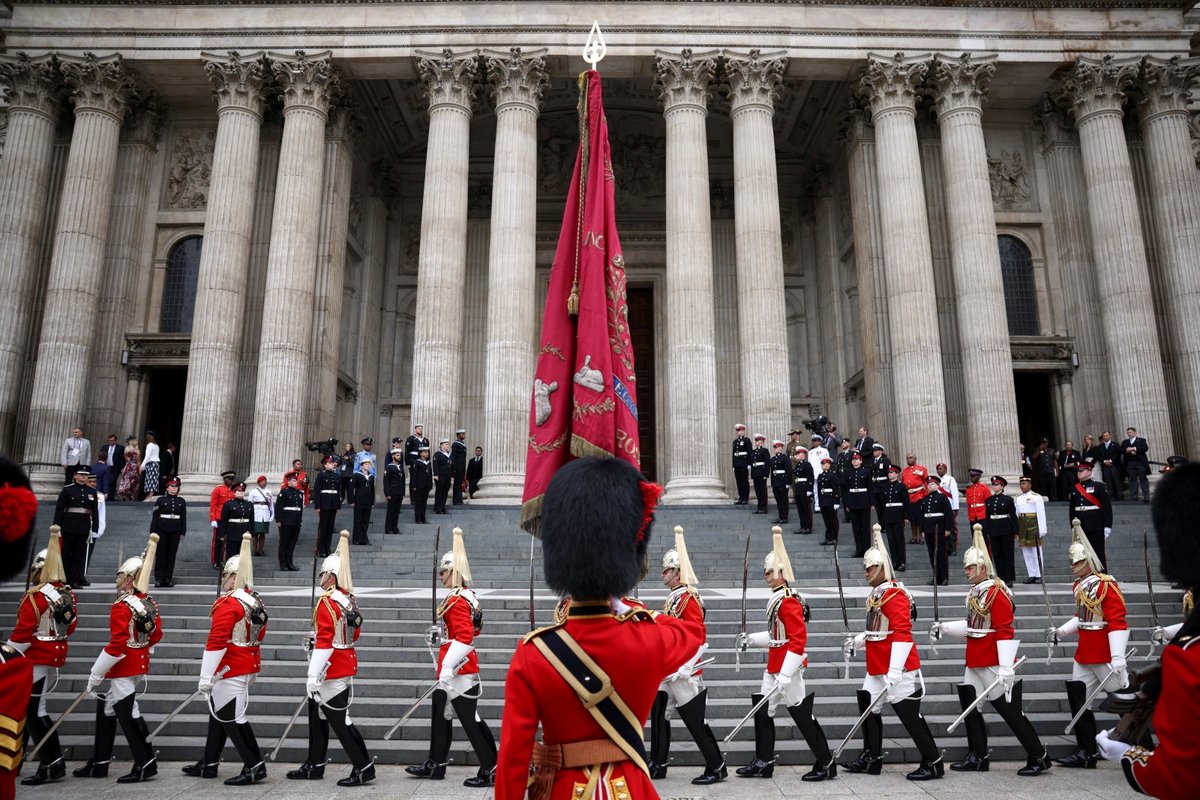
[(641, 334), (1035, 409), (164, 404)]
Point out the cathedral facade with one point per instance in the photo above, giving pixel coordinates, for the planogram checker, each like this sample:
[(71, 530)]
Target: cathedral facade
[(247, 226)]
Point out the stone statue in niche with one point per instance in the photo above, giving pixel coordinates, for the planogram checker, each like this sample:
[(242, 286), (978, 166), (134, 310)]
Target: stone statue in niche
[(191, 170), (1010, 179)]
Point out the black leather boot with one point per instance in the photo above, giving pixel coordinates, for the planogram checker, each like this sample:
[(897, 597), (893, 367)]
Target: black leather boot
[(811, 730), (254, 768), (870, 761), (102, 746), (931, 768), (482, 779), (307, 771), (692, 713), (47, 771), (1085, 755), (660, 738), (434, 767), (763, 765), (214, 743), (351, 740), (1010, 711), (976, 759), (482, 741), (359, 776), (145, 760)]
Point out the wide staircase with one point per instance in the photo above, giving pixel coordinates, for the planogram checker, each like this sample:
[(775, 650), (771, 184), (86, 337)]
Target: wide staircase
[(393, 578)]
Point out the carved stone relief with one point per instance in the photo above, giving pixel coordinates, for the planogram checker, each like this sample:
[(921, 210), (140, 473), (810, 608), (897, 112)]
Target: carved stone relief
[(191, 167), (1009, 175)]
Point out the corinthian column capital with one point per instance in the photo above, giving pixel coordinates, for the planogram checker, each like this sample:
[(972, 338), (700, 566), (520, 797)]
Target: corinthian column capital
[(449, 78), (963, 82), (146, 118), (103, 84), (308, 81), (32, 83), (684, 78), (890, 83), (1095, 86), (345, 123), (237, 80), (753, 79), (518, 79), (1164, 85)]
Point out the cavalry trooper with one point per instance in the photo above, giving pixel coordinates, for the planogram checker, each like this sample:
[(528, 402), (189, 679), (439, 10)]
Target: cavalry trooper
[(237, 517), (136, 626), (760, 470), (684, 690), (783, 679), (46, 617), (1088, 502), (893, 513), (228, 668), (991, 654), (1099, 622), (803, 484), (893, 669), (332, 666), (457, 674), (741, 464), (781, 479)]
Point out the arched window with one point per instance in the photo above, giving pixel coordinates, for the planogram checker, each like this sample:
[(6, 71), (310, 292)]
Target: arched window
[(179, 291), (1020, 294)]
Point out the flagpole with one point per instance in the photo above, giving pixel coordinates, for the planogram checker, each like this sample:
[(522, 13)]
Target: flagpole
[(595, 49)]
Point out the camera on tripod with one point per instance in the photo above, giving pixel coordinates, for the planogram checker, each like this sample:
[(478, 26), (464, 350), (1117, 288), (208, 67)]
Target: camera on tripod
[(325, 448), (818, 425)]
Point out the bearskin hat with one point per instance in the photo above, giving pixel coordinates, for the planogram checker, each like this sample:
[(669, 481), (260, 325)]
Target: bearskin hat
[(18, 509), (1175, 509), (596, 519)]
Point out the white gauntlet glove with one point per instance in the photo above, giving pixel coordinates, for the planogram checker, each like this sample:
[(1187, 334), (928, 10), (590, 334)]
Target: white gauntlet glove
[(455, 654), (318, 663), (895, 673), (104, 662), (1110, 748), (208, 670)]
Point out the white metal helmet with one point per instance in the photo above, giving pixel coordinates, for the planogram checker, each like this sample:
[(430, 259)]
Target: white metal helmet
[(677, 558), (877, 555), (1081, 548), (670, 560), (777, 561), (242, 564), (338, 563), (140, 567), (977, 554), (455, 561), (39, 560)]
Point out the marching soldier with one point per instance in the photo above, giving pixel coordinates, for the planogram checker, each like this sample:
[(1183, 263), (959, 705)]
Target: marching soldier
[(684, 690), (991, 654), (934, 512), (597, 516), (893, 514), (760, 468), (46, 617), (78, 517), (228, 668), (332, 666), (829, 500), (289, 512), (1099, 622), (803, 481), (1031, 527), (783, 678), (893, 669), (136, 626), (1001, 528), (327, 497), (237, 517), (221, 494), (781, 479), (879, 475), (458, 674), (420, 481), (169, 521), (741, 464), (1089, 503), (858, 501)]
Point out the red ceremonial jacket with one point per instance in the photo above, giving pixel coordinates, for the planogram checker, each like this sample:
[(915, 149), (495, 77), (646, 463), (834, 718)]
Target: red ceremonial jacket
[(217, 500), (914, 479), (977, 495), (137, 659), (327, 618), (16, 678), (1093, 645), (1168, 772), (981, 651), (686, 606), (791, 618), (636, 650), (457, 615), (29, 614), (896, 606), (227, 613)]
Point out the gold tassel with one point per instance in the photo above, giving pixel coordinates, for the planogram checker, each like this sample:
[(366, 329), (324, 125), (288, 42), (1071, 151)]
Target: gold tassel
[(573, 300)]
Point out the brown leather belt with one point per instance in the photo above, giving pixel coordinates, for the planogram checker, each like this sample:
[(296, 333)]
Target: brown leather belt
[(577, 754)]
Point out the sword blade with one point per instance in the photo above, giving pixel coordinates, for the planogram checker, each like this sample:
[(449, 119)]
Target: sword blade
[(745, 584), (858, 724), (1149, 579), (774, 690), (62, 718), (437, 558), (1095, 692), (283, 736), (532, 619), (981, 698), (1046, 597), (411, 710), (182, 706)]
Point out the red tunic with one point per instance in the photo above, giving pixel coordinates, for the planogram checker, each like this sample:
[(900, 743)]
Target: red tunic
[(981, 651), (137, 659), (1093, 645), (16, 682), (636, 654), (29, 613), (1169, 771), (914, 479), (895, 605), (687, 608), (977, 495), (791, 616), (226, 613), (326, 618), (455, 613)]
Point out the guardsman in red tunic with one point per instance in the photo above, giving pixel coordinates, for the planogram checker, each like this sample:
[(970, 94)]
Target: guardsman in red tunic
[(229, 667), (991, 653), (597, 515), (461, 620), (977, 494), (1169, 770), (893, 669), (46, 617), (914, 478), (135, 626), (337, 624), (1103, 634), (221, 495), (684, 691), (783, 678)]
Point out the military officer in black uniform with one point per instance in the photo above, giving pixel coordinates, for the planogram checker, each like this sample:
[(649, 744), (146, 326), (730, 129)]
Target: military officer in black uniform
[(879, 478), (414, 443), (327, 497), (393, 490), (802, 489), (858, 501), (237, 517), (420, 481), (894, 500), (363, 492), (760, 470), (78, 515), (1089, 501), (781, 479), (934, 515), (741, 465), (169, 521), (458, 459), (289, 511), (828, 499), (443, 474), (1001, 528)]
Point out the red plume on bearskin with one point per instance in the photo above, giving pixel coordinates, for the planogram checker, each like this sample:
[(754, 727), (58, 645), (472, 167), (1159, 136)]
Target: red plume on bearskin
[(18, 508)]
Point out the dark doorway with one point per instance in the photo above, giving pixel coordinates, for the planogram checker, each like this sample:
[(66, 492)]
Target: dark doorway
[(1035, 409), (164, 404), (641, 334)]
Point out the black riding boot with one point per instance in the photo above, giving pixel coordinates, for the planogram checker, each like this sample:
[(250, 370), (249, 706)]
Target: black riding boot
[(214, 743), (254, 768), (51, 764), (102, 747), (870, 760), (1085, 754), (692, 714), (660, 737), (362, 767), (482, 741), (1037, 760), (145, 762), (811, 730), (313, 768), (909, 712), (440, 735), (763, 765), (977, 749)]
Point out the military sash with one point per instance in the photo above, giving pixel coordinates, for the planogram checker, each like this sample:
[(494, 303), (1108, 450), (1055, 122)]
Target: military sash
[(1086, 495)]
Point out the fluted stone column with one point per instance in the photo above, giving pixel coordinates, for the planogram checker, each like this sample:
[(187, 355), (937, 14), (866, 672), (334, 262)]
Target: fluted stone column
[(100, 89), (753, 82), (1096, 90), (1175, 193), (991, 412), (206, 440), (34, 91), (683, 84), (518, 81), (890, 87), (308, 84), (449, 80)]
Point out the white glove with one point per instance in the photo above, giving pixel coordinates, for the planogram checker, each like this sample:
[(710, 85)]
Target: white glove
[(1067, 630), (1008, 677), (742, 642), (895, 673), (104, 662), (1117, 642), (433, 636), (851, 645), (688, 668), (208, 669), (317, 664), (312, 686), (21, 647), (955, 628), (214, 526), (1052, 636), (783, 680), (1159, 636), (1110, 749), (836, 506), (455, 653), (935, 631), (792, 663), (619, 606), (1107, 532)]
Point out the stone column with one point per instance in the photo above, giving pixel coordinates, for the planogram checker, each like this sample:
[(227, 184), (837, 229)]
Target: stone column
[(1175, 193), (33, 107), (100, 89), (518, 81), (206, 439), (684, 81), (890, 87), (753, 82), (991, 411), (1095, 90), (449, 80), (308, 83)]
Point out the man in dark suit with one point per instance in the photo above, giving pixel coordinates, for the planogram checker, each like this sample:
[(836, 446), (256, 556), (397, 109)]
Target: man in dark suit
[(1108, 456), (864, 442), (113, 455), (1137, 464), (475, 472), (458, 460), (1068, 462)]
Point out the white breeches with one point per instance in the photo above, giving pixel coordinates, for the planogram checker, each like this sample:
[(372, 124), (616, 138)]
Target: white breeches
[(119, 689), (791, 695), (328, 693), (681, 691), (1092, 674), (461, 685), (48, 676), (905, 688), (981, 678), (1031, 561), (235, 690)]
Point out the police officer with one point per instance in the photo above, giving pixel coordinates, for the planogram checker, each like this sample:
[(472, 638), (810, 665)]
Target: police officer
[(803, 481), (289, 512), (760, 470), (1088, 502), (741, 464), (829, 500), (393, 490), (237, 517), (894, 500), (169, 521), (458, 459), (327, 497), (420, 481), (1001, 528), (78, 516), (858, 500), (781, 479)]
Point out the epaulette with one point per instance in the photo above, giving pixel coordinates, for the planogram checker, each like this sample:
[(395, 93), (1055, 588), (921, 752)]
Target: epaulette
[(636, 614), (533, 634)]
